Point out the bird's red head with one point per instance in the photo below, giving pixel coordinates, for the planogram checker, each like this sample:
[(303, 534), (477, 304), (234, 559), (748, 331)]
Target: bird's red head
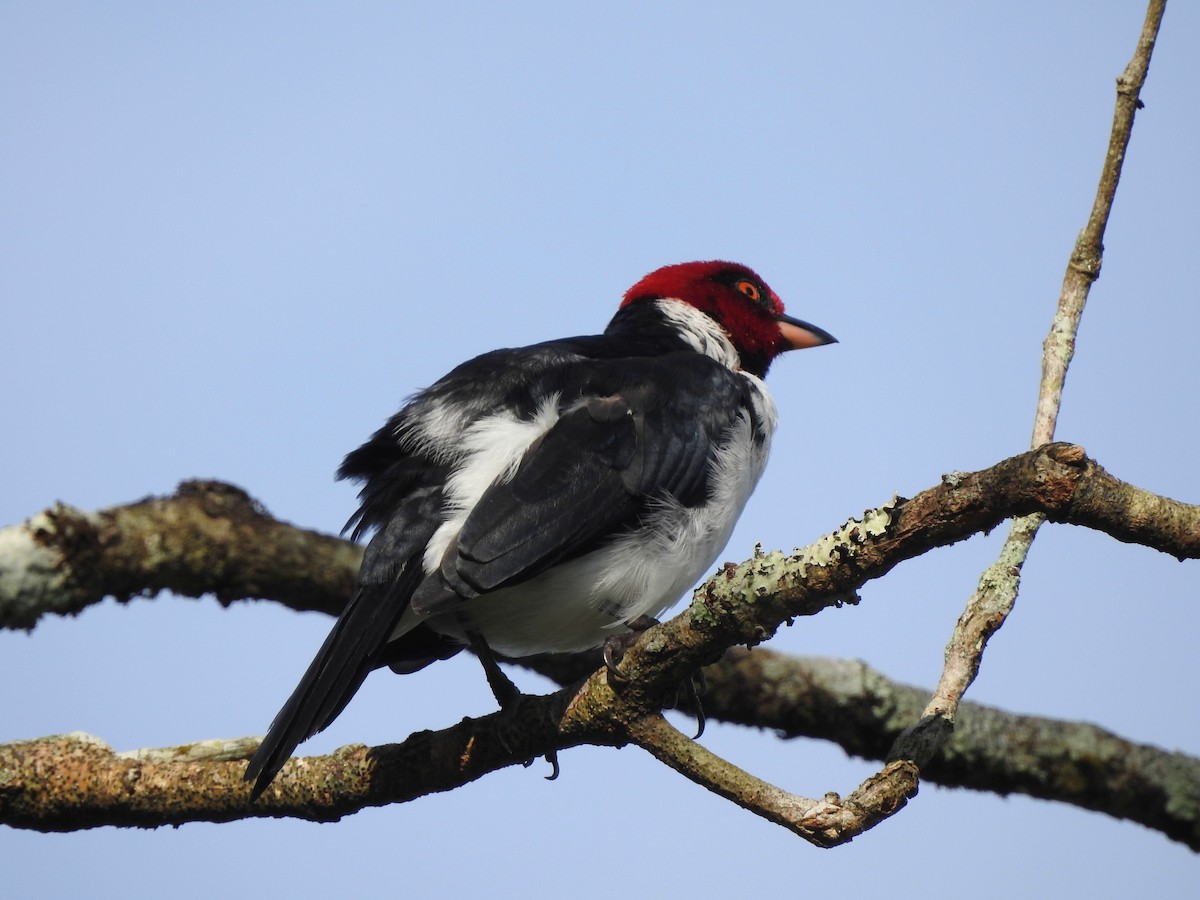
[(732, 295)]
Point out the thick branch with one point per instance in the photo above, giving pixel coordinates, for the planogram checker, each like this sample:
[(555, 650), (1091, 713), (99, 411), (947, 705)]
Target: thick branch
[(207, 538), (745, 604), (75, 781), (839, 700)]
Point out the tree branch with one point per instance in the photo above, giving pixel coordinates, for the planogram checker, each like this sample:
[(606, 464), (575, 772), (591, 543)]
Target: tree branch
[(208, 537), (1083, 268), (66, 783), (862, 711), (827, 822), (76, 781)]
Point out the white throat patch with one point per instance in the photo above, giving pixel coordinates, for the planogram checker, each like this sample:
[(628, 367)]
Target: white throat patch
[(701, 332)]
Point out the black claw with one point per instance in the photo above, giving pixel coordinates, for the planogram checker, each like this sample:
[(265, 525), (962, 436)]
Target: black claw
[(615, 645), (552, 758), (614, 649), (696, 687), (700, 721)]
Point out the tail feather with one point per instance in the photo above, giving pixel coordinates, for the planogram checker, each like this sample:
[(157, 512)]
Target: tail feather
[(352, 649)]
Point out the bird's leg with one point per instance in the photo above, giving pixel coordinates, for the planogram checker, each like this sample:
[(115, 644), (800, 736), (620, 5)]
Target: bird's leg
[(505, 692)]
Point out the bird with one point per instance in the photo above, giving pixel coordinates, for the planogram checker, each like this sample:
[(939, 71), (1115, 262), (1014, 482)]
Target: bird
[(548, 498)]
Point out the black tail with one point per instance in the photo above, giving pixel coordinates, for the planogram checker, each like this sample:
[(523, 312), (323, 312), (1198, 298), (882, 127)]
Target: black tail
[(354, 647)]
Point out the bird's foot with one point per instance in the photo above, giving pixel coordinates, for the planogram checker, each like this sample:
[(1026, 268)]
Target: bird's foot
[(693, 688), (615, 645), (552, 758)]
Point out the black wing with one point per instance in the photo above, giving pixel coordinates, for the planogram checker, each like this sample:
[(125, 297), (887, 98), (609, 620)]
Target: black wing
[(633, 431)]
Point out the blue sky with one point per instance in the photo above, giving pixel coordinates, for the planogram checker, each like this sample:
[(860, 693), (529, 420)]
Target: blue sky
[(233, 237)]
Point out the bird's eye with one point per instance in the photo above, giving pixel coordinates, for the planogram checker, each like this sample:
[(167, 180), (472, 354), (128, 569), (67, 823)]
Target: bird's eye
[(750, 289)]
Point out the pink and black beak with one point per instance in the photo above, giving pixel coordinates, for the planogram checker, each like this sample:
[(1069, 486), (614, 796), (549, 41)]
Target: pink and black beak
[(798, 335)]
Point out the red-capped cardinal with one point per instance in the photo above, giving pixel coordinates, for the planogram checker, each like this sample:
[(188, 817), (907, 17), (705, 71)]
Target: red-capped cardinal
[(542, 499)]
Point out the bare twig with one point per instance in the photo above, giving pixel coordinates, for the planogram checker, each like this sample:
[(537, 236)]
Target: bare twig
[(827, 822), (996, 593), (1083, 268)]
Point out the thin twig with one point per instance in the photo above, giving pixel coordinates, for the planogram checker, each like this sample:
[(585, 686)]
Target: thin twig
[(999, 584), (828, 822)]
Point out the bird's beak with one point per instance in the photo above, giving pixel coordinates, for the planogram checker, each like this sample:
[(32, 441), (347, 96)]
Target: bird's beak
[(798, 335)]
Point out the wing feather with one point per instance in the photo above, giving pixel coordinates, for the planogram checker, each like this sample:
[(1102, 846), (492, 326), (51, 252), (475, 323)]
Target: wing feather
[(631, 438)]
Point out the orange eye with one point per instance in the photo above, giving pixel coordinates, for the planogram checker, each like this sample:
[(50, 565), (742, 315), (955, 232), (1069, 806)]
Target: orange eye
[(750, 289)]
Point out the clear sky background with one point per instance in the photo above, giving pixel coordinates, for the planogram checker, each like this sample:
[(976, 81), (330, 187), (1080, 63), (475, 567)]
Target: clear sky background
[(233, 237)]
